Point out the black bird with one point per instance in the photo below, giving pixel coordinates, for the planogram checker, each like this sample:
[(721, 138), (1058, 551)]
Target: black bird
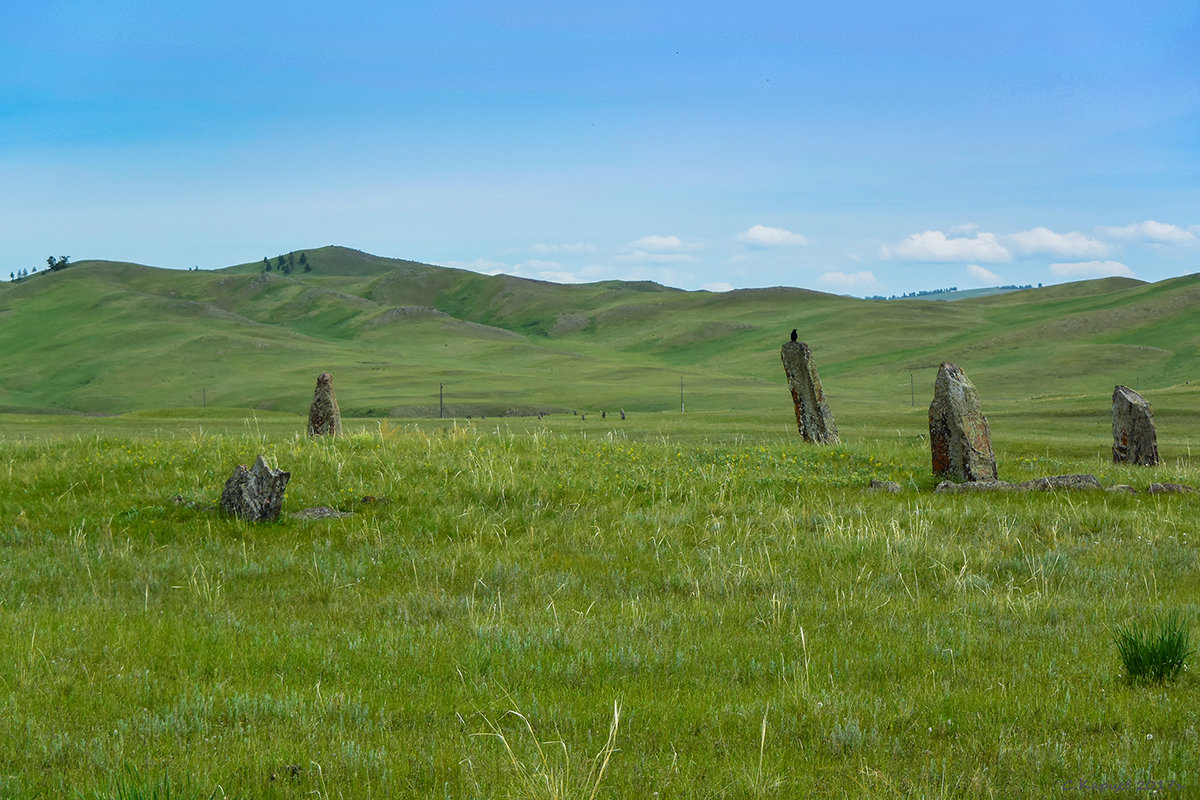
[(793, 334)]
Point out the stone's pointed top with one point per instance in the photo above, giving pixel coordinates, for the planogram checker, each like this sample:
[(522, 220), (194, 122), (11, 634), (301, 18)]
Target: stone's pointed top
[(794, 334), (324, 379), (951, 371)]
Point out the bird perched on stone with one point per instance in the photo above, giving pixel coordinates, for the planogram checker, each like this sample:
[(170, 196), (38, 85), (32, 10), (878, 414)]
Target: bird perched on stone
[(793, 334)]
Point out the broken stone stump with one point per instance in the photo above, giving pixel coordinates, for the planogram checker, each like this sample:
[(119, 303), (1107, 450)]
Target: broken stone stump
[(324, 419), (1134, 439), (813, 418), (255, 494), (958, 431)]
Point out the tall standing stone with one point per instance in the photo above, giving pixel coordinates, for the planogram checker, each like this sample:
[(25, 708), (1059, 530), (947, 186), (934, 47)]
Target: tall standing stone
[(324, 419), (1134, 439), (813, 418), (255, 494), (958, 430)]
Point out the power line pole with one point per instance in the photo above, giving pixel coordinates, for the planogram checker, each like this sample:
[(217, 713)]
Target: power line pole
[(912, 395), (441, 401), (681, 394)]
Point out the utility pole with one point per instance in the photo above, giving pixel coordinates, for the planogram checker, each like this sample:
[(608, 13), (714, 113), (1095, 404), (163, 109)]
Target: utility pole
[(912, 396), (204, 398), (441, 401), (681, 394)]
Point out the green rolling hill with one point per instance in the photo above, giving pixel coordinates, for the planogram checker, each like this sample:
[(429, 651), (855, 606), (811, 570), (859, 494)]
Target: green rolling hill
[(105, 337)]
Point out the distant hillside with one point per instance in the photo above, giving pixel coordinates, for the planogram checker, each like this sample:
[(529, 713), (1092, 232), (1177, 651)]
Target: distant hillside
[(108, 337)]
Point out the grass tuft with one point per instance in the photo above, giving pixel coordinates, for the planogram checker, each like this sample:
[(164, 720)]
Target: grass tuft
[(1155, 655), (547, 776)]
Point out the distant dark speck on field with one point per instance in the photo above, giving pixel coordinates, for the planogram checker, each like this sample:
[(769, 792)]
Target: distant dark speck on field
[(794, 337)]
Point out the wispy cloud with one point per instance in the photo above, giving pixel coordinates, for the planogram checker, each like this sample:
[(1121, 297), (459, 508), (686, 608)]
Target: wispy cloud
[(569, 247), (1064, 245), (659, 243), (849, 281), (485, 266), (764, 236), (657, 249), (984, 275), (937, 246), (720, 286), (1152, 231), (558, 276), (1092, 269)]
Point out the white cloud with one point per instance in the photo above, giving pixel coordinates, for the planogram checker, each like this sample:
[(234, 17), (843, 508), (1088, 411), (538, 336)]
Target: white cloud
[(985, 275), (720, 286), (966, 227), (657, 258), (660, 250), (1092, 269), (662, 243), (849, 281), (571, 247), (482, 265), (763, 236), (558, 276), (1064, 245), (936, 246), (1152, 231)]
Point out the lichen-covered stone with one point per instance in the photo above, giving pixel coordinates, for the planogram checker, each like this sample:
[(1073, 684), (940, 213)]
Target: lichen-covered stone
[(891, 487), (1170, 488), (813, 417), (1052, 482), (324, 419), (255, 494), (1134, 438), (1047, 484), (959, 438)]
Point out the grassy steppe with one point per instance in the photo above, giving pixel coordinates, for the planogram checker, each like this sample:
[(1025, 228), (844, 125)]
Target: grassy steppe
[(767, 627)]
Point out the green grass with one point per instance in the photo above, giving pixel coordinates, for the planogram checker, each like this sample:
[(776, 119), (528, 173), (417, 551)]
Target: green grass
[(693, 605), (766, 626), (1155, 655)]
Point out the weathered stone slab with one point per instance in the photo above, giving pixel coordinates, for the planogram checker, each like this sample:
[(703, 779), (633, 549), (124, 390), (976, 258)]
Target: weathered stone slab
[(813, 417), (1134, 438), (1170, 488), (255, 494), (324, 418), (320, 512), (1054, 482), (891, 487), (1047, 484), (1050, 483), (959, 438), (954, 487)]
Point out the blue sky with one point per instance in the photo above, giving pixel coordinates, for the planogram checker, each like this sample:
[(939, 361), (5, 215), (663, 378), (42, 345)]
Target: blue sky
[(859, 148)]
